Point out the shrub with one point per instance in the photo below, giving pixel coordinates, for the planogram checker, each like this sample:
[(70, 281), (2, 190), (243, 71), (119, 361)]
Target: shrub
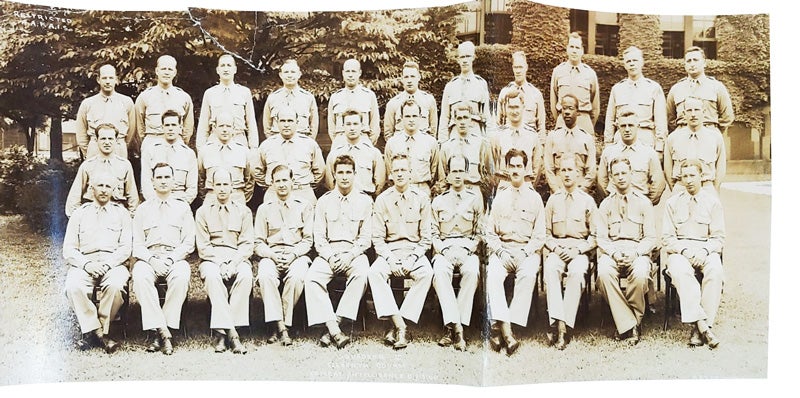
[(15, 161)]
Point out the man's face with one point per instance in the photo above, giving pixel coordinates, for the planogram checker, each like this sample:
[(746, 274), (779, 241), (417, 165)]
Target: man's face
[(463, 121), (514, 110), (520, 69), (222, 186), (690, 177), (410, 80), (574, 50), (458, 170), (351, 72), (352, 127), (224, 128), (283, 183), (162, 180), (628, 129), (102, 187), (621, 176), (400, 173), (172, 128), (107, 79), (226, 69), (465, 59), (106, 138), (633, 63), (694, 63), (410, 118), (287, 124), (290, 75), (516, 170), (344, 177), (569, 110), (568, 171), (693, 113), (165, 71)]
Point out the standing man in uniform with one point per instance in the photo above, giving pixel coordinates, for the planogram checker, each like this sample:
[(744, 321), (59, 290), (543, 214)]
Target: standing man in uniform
[(645, 97), (163, 237), (516, 134), (466, 87), (295, 97), (354, 96), (225, 244), (421, 150), (123, 188), (469, 144), (107, 106), (570, 237), (514, 239), (225, 153), (716, 101), (300, 152), (566, 140), (284, 226), (153, 102), (97, 246), (457, 218), (178, 155), (231, 98), (370, 167), (575, 78), (392, 119), (401, 234), (342, 234), (626, 235), (693, 235), (533, 113)]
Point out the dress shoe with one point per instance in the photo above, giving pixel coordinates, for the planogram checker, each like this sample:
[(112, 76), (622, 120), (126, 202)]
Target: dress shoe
[(447, 339), (285, 339), (512, 345), (325, 340), (695, 340), (633, 338), (155, 344), (273, 337), (341, 340), (109, 345), (710, 339), (561, 342), (88, 341), (401, 341), (458, 341), (389, 338), (166, 346), (237, 347), (220, 345), (494, 341)]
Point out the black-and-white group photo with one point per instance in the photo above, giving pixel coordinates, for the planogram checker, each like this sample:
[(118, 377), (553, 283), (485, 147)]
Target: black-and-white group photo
[(489, 193)]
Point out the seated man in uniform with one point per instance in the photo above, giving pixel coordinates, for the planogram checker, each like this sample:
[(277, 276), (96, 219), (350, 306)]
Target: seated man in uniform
[(225, 244), (97, 246), (284, 226), (693, 235)]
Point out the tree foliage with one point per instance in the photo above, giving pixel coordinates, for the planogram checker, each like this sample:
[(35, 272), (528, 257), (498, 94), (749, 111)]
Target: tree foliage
[(642, 31)]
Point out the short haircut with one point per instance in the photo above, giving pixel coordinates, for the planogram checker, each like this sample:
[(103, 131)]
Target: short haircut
[(396, 157), (575, 160), (575, 35), (457, 157), (693, 49), (514, 93), (514, 152), (633, 49), (162, 165), (692, 163), (290, 61), (226, 56), (574, 98), (107, 126), (620, 159), (462, 106), (411, 64), (95, 178), (410, 103), (343, 160), (350, 112), (519, 56), (171, 113), (467, 46), (281, 167), (217, 170)]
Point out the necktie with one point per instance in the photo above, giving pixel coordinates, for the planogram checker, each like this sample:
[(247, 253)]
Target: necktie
[(623, 206)]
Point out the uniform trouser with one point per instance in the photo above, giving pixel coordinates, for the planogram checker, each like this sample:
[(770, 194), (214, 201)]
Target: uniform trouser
[(78, 288), (583, 121), (564, 307), (228, 309), (280, 306), (120, 147), (385, 305), (525, 270), (155, 316), (318, 302), (456, 309), (627, 308), (698, 302)]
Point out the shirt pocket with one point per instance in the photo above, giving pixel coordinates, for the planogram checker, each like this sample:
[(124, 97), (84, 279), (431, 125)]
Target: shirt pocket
[(524, 222), (559, 220)]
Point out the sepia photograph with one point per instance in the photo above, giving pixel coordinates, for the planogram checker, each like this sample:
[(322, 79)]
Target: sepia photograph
[(495, 193)]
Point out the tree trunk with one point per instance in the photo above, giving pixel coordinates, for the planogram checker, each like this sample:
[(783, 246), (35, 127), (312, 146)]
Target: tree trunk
[(56, 139), (30, 136)]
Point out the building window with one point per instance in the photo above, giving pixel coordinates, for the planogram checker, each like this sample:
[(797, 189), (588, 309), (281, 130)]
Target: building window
[(606, 40), (579, 22), (705, 35), (467, 23), (673, 44)]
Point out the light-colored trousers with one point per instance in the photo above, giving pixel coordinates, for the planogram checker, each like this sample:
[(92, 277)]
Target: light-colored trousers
[(318, 301), (385, 305), (564, 307), (155, 316), (525, 270), (280, 306), (627, 308), (228, 309), (697, 302), (78, 288), (456, 309)]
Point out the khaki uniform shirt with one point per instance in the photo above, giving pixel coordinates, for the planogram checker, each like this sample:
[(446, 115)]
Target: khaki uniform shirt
[(693, 222), (124, 190), (299, 100), (98, 109), (580, 81), (423, 154), (285, 226), (647, 177), (706, 145), (362, 100), (393, 120), (717, 106), (184, 166), (569, 220), (629, 218), (96, 229), (370, 166), (457, 219), (579, 143), (224, 232), (342, 223), (477, 151), (234, 156), (164, 229), (525, 139), (235, 100), (404, 219), (154, 101), (646, 97), (533, 113), (517, 219), (472, 90), (301, 153)]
